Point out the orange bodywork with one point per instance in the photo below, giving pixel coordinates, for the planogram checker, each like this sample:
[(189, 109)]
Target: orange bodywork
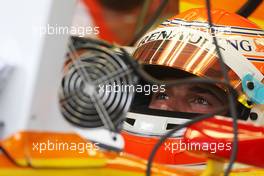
[(167, 154), (20, 158)]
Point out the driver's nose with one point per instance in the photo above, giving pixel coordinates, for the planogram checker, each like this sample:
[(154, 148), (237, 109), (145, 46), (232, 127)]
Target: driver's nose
[(162, 105), (177, 104)]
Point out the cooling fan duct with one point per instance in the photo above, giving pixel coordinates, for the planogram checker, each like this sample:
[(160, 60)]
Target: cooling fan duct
[(91, 94)]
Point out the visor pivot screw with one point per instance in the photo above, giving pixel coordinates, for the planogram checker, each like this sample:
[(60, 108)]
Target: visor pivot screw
[(250, 85), (114, 138), (249, 103), (253, 116)]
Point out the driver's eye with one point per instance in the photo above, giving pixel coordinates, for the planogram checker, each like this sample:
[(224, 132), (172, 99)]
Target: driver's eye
[(200, 101), (162, 96)]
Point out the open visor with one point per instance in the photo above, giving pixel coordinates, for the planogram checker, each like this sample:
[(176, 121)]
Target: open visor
[(186, 56)]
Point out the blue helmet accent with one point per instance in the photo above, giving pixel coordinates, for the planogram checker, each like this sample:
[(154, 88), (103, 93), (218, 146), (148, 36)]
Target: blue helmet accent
[(253, 88)]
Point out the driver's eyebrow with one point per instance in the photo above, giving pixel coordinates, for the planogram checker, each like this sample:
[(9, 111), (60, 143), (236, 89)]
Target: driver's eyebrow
[(205, 89)]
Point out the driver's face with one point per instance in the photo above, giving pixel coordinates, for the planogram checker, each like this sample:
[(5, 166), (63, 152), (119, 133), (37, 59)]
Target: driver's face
[(189, 98)]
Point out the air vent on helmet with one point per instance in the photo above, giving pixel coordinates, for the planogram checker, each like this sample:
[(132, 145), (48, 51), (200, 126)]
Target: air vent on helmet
[(130, 121), (171, 126)]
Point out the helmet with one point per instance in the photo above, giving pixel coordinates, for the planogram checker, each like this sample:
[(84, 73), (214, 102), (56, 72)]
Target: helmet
[(182, 47)]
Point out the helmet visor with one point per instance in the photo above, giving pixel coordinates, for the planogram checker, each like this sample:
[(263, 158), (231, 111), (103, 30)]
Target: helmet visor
[(183, 55)]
